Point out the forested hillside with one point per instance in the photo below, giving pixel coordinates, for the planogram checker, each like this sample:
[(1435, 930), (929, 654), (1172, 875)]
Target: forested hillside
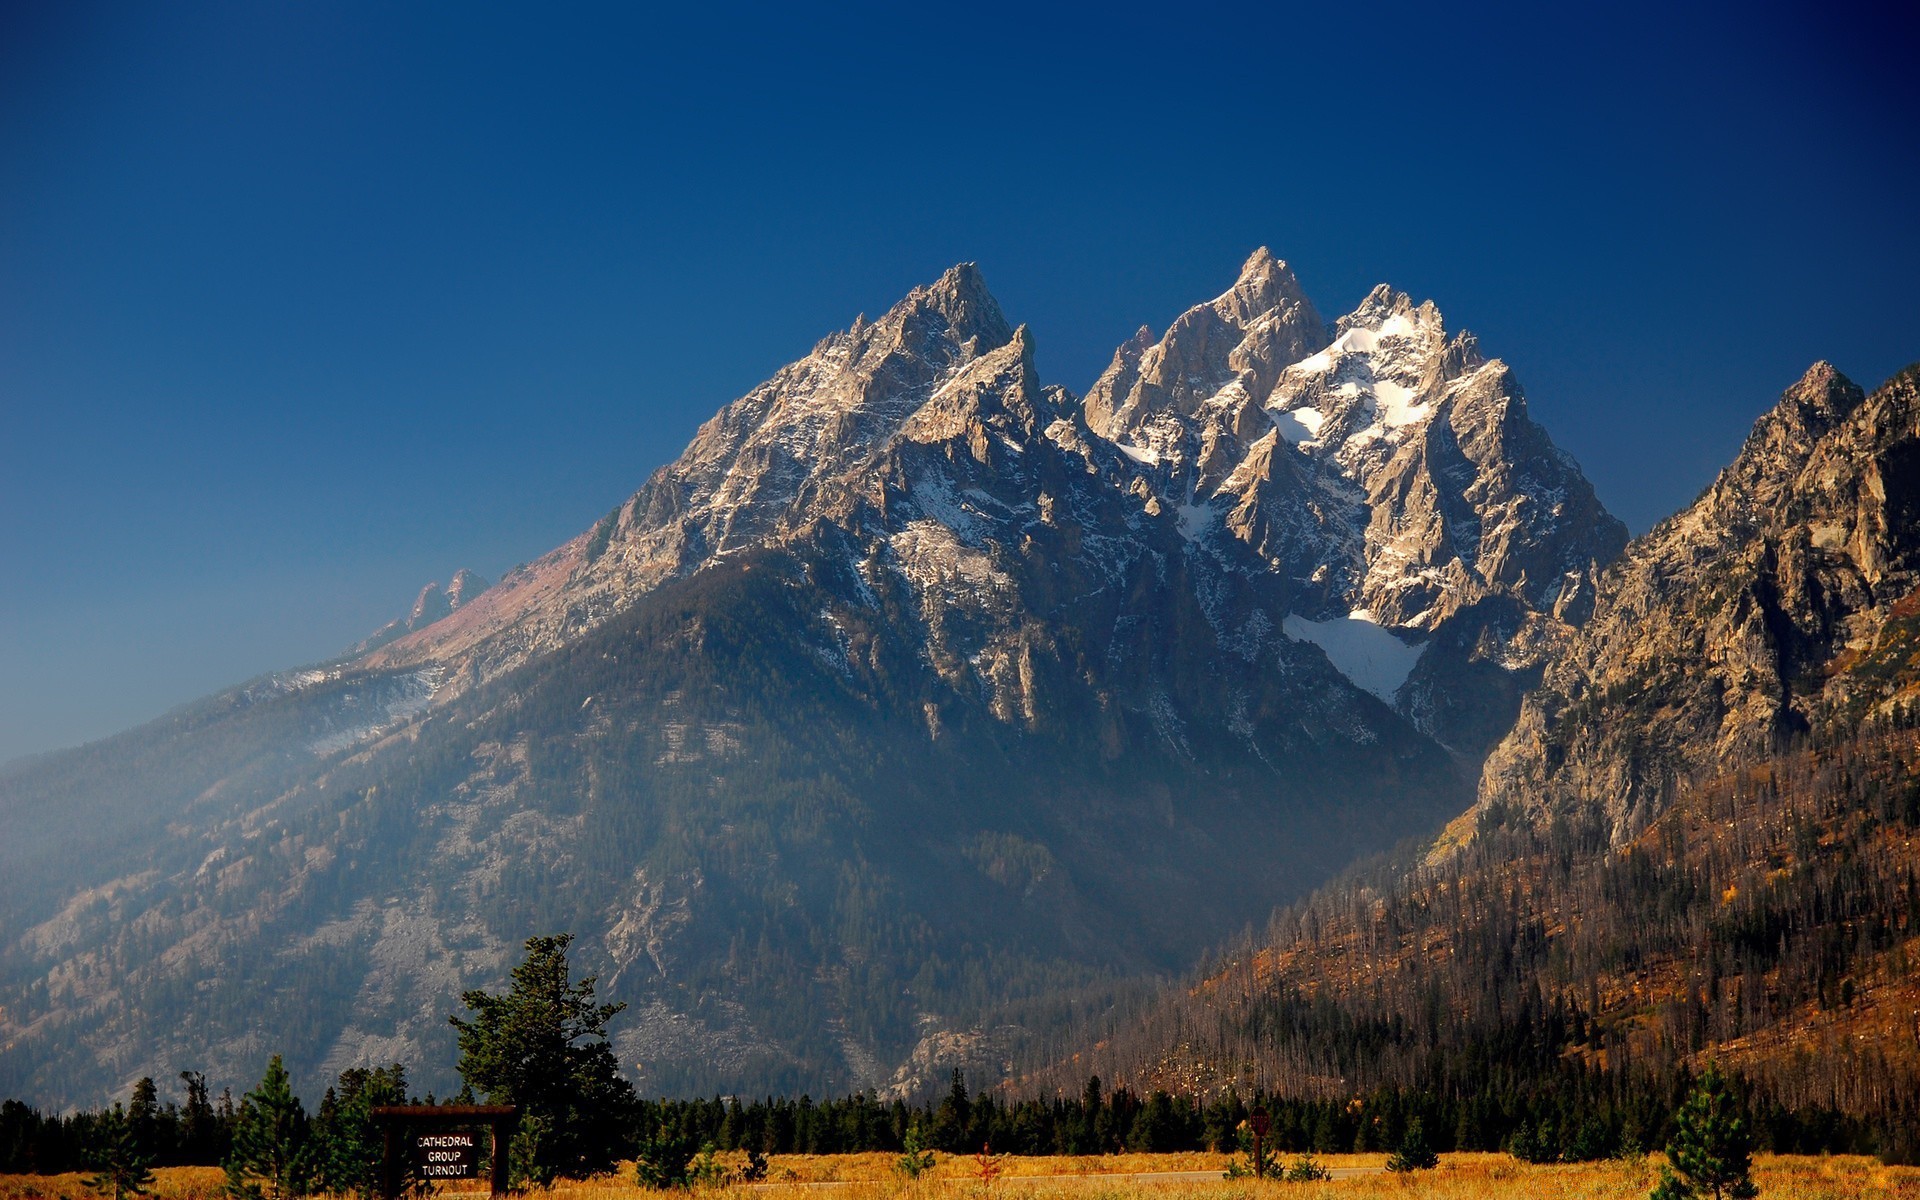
[(1701, 843), (1770, 920)]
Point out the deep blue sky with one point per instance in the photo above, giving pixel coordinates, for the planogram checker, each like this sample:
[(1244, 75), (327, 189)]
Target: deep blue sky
[(303, 305)]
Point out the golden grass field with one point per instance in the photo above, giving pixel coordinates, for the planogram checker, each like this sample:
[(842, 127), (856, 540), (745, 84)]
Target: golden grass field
[(870, 1177)]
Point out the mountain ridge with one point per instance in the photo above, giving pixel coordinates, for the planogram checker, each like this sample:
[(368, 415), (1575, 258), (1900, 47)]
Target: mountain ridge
[(1697, 844), (1724, 623)]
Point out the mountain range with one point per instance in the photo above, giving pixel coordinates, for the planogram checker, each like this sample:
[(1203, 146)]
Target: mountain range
[(920, 711), (1698, 842)]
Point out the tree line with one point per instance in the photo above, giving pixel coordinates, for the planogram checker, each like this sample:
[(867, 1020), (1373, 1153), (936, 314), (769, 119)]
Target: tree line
[(542, 1047)]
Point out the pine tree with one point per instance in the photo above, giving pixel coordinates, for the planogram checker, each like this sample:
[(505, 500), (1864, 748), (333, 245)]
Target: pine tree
[(662, 1160), (199, 1127), (143, 1115), (915, 1159), (347, 1143), (543, 1046), (272, 1156), (1414, 1154), (950, 1119), (118, 1159), (1710, 1147)]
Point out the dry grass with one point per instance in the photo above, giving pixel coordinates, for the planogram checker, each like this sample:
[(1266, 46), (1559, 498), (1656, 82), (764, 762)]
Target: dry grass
[(169, 1183), (870, 1177), (1459, 1177)]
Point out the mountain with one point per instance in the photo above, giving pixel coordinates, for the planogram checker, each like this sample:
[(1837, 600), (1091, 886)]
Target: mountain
[(1698, 842), (1434, 541), (917, 707), (1782, 603)]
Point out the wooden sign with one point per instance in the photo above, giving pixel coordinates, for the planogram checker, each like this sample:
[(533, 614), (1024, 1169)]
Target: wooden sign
[(452, 1155), (445, 1143)]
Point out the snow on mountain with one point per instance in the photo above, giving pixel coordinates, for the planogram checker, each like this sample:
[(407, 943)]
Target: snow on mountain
[(901, 627), (1384, 468), (1375, 658)]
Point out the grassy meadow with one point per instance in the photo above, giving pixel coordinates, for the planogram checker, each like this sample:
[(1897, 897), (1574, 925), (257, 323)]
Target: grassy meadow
[(956, 1177)]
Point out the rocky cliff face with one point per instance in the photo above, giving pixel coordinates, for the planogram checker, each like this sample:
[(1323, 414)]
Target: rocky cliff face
[(1428, 534), (914, 695), (1781, 602)]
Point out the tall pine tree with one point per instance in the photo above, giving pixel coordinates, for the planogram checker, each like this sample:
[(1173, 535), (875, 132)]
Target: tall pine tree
[(1710, 1148), (118, 1159), (273, 1155), (543, 1046)]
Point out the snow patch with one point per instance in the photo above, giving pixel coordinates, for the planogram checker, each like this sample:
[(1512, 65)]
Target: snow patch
[(1395, 404), (1139, 454), (1298, 425), (1195, 520), (1372, 657)]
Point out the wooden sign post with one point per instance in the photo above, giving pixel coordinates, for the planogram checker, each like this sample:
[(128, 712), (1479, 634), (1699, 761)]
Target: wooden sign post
[(1261, 1123), (443, 1142)]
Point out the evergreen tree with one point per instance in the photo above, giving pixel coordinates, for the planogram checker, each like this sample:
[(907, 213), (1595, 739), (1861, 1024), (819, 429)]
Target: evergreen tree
[(915, 1159), (200, 1131), (1710, 1148), (663, 1160), (348, 1144), (543, 1046), (950, 1120), (272, 1155), (143, 1116), (1414, 1154), (1531, 1144), (117, 1157)]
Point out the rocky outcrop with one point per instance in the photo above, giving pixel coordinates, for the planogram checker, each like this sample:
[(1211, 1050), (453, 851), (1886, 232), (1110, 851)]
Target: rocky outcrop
[(1780, 602), (428, 607), (463, 588), (1386, 470), (431, 605)]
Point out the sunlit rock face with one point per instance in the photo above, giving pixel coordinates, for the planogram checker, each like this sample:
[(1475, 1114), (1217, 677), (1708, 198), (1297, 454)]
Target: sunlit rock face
[(1781, 602), (1386, 471)]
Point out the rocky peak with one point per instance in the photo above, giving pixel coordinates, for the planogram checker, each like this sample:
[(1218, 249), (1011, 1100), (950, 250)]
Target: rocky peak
[(464, 586), (428, 607), (1266, 286), (1771, 606), (432, 605), (1784, 437), (1388, 475), (1242, 337), (1390, 471), (972, 315)]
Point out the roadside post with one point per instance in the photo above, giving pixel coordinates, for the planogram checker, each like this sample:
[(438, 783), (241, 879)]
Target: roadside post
[(1260, 1123)]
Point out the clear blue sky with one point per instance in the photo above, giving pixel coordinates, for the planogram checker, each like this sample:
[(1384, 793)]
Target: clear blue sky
[(303, 305)]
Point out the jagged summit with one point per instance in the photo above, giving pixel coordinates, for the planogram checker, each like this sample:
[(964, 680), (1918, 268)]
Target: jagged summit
[(961, 296), (1387, 469), (1821, 399), (1778, 603), (464, 586), (431, 605), (1247, 333)]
